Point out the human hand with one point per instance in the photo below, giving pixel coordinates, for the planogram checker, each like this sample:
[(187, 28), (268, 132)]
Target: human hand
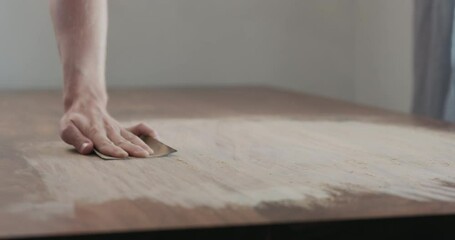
[(81, 33), (86, 124)]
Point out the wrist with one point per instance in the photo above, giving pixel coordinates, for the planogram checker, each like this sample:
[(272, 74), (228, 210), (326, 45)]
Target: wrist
[(84, 92), (84, 101)]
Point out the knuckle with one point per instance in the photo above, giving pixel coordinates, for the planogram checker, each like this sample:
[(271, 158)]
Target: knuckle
[(142, 125), (110, 128), (93, 130), (63, 122), (131, 138), (122, 143), (73, 117), (136, 147), (104, 144)]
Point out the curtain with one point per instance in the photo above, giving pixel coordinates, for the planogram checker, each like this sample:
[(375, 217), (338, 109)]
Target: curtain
[(433, 22), (449, 112)]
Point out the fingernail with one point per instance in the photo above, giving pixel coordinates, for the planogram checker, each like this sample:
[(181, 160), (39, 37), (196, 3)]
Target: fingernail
[(84, 146)]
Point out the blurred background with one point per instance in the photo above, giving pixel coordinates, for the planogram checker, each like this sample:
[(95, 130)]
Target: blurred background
[(355, 50)]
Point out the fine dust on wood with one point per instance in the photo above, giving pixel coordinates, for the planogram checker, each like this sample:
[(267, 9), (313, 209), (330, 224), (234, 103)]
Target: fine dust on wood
[(251, 161)]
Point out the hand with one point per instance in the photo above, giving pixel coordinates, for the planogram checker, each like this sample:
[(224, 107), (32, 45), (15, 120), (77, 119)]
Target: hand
[(81, 33), (86, 125)]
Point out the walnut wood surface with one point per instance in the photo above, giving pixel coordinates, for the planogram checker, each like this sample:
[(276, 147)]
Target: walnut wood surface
[(247, 156)]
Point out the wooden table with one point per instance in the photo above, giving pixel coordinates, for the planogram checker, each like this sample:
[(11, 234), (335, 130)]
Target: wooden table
[(247, 157)]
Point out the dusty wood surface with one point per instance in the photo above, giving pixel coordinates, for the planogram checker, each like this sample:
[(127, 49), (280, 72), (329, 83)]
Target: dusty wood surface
[(246, 156)]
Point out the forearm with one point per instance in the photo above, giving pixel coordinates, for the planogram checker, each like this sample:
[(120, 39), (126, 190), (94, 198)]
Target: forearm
[(81, 32)]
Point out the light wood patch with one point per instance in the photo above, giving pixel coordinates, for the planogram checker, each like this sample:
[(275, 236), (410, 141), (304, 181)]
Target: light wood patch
[(249, 161)]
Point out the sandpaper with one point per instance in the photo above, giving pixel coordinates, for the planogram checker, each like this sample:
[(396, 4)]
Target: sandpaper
[(159, 149)]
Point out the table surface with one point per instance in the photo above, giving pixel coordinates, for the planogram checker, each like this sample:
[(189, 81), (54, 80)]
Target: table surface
[(247, 156)]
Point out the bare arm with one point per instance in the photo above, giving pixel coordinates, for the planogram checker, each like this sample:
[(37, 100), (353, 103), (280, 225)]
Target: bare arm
[(81, 32)]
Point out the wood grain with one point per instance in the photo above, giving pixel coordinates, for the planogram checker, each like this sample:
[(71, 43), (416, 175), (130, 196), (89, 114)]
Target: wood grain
[(246, 156)]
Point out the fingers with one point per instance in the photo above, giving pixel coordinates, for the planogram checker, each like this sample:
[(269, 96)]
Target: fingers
[(71, 135), (143, 130), (102, 143), (136, 140), (132, 149), (107, 138)]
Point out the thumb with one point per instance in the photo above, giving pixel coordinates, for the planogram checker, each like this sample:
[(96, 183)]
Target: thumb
[(71, 135)]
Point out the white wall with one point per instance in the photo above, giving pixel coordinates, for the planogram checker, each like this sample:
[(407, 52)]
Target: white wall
[(28, 57), (348, 49), (318, 52), (293, 43), (383, 53)]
